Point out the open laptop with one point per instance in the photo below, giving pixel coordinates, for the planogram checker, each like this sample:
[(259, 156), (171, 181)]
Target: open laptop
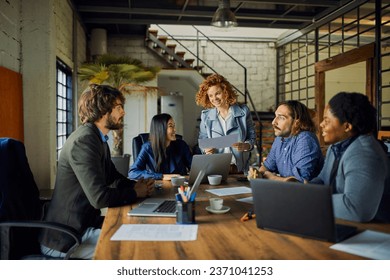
[(295, 208), (162, 207), (215, 163)]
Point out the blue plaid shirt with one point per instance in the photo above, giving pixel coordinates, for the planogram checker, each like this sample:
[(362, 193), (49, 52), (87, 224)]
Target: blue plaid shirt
[(299, 156)]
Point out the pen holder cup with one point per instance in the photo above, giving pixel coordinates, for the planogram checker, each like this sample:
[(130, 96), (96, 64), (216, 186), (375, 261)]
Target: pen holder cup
[(185, 212)]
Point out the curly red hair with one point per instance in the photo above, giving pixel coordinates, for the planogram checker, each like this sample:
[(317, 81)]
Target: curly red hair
[(202, 98)]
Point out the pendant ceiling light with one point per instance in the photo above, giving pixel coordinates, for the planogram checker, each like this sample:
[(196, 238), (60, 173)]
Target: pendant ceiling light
[(224, 17)]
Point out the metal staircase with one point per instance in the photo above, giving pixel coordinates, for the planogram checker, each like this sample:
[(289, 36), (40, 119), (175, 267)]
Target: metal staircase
[(158, 44)]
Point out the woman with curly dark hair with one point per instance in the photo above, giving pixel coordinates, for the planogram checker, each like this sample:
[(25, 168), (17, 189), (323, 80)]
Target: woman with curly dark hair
[(356, 164), (224, 116)]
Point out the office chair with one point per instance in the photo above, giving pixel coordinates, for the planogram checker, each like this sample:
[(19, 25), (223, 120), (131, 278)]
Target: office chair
[(122, 163), (139, 140), (20, 207)]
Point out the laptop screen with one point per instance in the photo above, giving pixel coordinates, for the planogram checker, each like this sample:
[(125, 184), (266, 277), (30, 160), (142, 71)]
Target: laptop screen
[(215, 163), (295, 208)]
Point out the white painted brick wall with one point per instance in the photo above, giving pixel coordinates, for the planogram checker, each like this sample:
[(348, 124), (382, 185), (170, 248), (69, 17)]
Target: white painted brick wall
[(10, 35), (134, 47), (81, 45), (63, 16)]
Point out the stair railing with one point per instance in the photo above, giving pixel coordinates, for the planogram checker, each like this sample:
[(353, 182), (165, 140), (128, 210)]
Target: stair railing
[(187, 49)]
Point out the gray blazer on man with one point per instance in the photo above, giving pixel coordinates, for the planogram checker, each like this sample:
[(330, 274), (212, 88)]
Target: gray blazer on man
[(86, 181)]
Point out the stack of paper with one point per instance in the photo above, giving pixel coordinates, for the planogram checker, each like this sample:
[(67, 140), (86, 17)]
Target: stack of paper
[(156, 232), (369, 244)]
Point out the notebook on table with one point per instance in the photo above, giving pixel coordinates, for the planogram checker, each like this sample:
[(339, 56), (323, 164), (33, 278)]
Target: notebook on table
[(214, 163), (302, 209), (162, 207)]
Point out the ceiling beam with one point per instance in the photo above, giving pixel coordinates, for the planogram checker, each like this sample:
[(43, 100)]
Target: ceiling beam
[(315, 3), (185, 22), (144, 11), (196, 14)]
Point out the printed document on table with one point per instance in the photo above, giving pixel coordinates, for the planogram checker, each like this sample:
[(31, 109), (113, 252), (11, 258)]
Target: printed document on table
[(230, 191), (246, 199), (218, 142), (155, 232), (370, 244)]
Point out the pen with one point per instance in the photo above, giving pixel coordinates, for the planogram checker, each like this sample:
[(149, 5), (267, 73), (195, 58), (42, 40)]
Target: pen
[(248, 216), (192, 198), (178, 197)]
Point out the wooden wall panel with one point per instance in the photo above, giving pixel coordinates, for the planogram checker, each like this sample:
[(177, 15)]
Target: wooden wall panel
[(364, 53), (11, 104)]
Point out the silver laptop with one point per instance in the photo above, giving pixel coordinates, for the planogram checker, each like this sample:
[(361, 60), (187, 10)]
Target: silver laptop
[(215, 164), (162, 207), (302, 209)]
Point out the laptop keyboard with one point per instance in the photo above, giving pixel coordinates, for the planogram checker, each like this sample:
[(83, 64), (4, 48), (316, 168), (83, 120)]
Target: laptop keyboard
[(168, 206)]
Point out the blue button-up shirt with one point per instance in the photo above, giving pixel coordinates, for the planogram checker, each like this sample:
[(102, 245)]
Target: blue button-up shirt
[(299, 156), (104, 137)]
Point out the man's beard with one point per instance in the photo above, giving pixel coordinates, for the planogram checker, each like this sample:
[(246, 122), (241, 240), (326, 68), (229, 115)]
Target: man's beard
[(112, 125)]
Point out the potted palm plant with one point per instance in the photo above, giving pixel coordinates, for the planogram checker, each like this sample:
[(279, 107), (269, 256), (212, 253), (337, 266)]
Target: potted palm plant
[(122, 72)]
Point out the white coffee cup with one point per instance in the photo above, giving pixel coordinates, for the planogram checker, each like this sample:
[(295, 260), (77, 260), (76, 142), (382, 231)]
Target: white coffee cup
[(214, 179), (178, 181), (216, 203)]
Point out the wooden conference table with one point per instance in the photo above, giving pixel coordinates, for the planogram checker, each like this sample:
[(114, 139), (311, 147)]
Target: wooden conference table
[(220, 236)]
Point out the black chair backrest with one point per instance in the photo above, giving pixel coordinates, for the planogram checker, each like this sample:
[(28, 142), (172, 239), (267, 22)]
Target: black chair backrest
[(19, 196), (122, 163), (137, 143), (139, 140)]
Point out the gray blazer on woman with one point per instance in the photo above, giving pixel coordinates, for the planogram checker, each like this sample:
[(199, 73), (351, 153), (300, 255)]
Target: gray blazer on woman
[(240, 123), (360, 179)]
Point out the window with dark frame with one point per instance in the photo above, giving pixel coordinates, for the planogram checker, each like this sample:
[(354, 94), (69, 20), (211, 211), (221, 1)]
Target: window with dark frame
[(64, 108), (353, 29)]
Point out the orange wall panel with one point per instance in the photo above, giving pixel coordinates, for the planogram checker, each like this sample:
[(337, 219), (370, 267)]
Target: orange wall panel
[(11, 104)]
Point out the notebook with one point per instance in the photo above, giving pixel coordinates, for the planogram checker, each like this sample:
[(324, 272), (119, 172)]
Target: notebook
[(162, 207), (215, 163), (302, 209)]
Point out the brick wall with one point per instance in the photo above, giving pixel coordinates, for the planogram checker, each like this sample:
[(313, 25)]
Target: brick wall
[(134, 47), (10, 35), (258, 57)]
